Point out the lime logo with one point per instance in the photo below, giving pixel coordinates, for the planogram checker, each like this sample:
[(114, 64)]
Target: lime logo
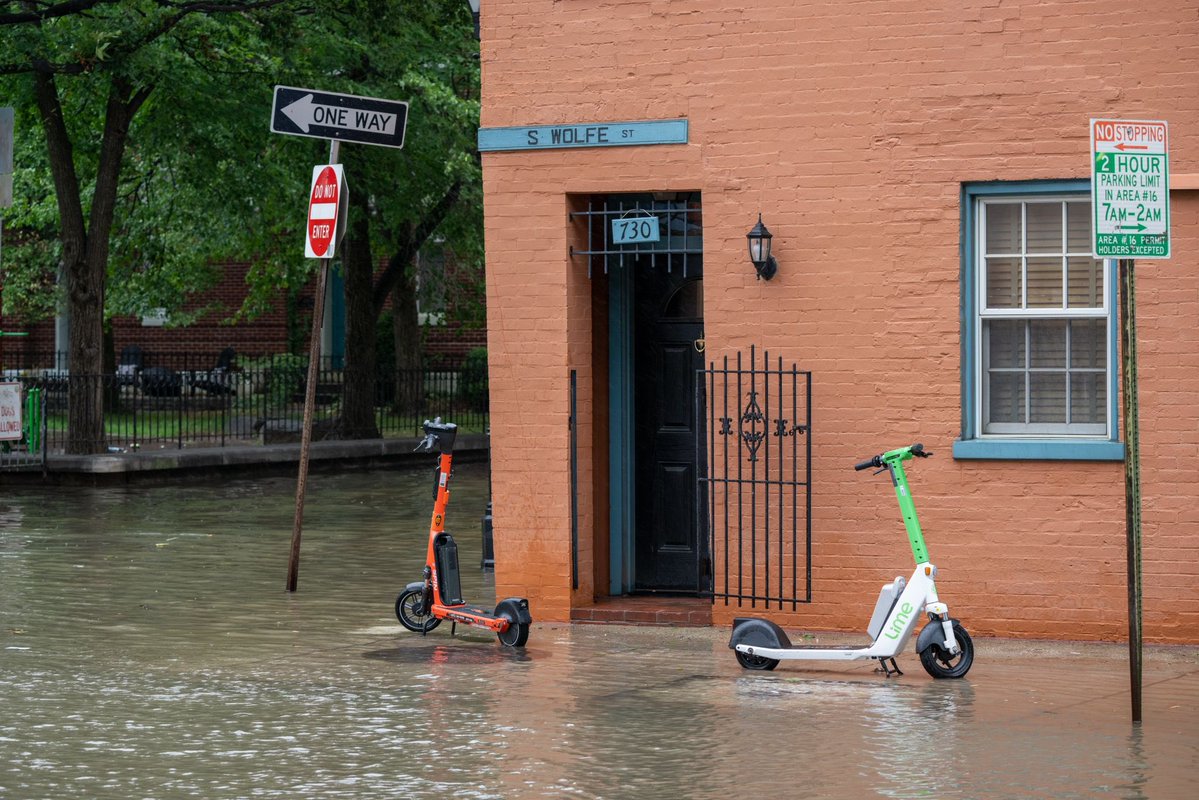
[(897, 625)]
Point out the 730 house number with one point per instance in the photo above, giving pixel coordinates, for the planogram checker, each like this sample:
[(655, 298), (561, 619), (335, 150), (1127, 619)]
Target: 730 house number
[(630, 230)]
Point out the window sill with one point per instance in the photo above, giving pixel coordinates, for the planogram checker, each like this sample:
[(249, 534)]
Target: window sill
[(1038, 450)]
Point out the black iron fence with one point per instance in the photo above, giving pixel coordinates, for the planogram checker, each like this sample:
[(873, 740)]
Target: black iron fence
[(757, 460), (254, 401)]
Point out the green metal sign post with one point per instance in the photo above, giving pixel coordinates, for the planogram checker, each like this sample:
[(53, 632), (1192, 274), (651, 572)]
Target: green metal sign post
[(1132, 477), (1130, 202)]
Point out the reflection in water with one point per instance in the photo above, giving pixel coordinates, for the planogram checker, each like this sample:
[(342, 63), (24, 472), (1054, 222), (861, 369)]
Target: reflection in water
[(148, 649)]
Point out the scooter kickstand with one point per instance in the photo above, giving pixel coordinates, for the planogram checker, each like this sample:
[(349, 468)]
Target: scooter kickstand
[(888, 671), (453, 627)]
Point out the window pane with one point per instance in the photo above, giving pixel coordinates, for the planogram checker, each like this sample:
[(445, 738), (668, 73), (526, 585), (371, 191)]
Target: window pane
[(1003, 228), (1088, 344), (1048, 403), (1088, 398), (1085, 276), (1044, 283), (1044, 227), (1006, 344), (1078, 227), (1005, 397), (1048, 344), (1004, 284)]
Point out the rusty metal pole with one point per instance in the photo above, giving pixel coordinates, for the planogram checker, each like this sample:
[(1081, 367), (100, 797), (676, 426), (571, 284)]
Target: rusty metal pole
[(314, 360), (1132, 477)]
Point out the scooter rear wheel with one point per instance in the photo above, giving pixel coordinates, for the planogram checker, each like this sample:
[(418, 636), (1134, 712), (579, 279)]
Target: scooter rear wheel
[(410, 615), (756, 662), (515, 635)]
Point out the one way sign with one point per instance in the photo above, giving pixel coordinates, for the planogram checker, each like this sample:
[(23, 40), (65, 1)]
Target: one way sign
[(345, 117)]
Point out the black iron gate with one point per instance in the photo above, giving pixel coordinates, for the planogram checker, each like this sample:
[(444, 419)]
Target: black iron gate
[(756, 457)]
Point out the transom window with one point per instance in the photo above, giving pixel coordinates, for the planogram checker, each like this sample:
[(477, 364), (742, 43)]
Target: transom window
[(1043, 319)]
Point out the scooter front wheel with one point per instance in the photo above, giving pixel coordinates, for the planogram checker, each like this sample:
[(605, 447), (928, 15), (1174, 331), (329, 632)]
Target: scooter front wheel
[(410, 612), (756, 662), (939, 663)]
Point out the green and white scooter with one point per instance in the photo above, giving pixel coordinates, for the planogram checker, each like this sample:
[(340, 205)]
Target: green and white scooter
[(944, 646)]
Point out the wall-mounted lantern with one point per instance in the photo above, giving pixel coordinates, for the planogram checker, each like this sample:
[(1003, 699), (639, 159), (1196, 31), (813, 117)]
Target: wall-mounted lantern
[(759, 251)]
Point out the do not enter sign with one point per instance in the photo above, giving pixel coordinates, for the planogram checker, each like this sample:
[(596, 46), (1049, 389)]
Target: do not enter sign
[(326, 207)]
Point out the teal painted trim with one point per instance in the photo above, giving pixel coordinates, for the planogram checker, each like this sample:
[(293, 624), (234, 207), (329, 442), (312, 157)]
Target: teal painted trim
[(969, 446), (968, 304), (993, 188), (1038, 450), (584, 134), (622, 493)]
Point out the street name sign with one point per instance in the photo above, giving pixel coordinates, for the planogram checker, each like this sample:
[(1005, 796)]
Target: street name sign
[(1130, 188), (583, 134), (344, 117), (326, 209)]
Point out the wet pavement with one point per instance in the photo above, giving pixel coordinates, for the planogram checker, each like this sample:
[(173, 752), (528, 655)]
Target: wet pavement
[(148, 650)]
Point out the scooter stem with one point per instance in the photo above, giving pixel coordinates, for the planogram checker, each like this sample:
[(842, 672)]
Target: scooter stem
[(907, 507)]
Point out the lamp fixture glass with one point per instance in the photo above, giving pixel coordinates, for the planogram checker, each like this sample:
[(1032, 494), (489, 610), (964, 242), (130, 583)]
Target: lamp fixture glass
[(759, 250)]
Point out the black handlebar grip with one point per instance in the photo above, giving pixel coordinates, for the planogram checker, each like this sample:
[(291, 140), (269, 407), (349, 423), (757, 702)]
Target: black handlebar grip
[(917, 449), (866, 464)]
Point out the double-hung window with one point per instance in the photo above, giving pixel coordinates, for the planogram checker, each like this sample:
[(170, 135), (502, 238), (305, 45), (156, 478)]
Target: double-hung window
[(1038, 326)]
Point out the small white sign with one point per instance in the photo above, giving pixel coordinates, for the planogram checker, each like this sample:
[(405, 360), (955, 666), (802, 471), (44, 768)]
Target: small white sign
[(1130, 188), (10, 412), (630, 230)]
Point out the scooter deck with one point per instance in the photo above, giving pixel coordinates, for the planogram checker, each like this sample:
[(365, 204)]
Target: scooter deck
[(827, 647), (472, 610)]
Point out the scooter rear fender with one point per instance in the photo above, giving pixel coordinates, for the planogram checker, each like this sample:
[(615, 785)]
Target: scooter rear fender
[(415, 586), (516, 609), (758, 633)]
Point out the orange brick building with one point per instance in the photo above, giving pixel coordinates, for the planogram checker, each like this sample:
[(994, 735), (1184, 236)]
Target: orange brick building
[(925, 171)]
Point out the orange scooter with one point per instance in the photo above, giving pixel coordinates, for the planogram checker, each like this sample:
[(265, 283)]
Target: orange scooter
[(424, 604)]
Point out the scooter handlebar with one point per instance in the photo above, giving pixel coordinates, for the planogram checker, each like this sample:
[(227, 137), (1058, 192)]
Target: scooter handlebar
[(916, 450)]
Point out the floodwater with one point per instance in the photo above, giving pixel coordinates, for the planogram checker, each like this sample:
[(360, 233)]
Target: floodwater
[(148, 650)]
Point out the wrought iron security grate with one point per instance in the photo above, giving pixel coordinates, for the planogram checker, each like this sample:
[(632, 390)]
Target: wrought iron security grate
[(641, 230), (756, 480)]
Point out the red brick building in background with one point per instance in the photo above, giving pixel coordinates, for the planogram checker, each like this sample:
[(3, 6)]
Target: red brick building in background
[(276, 331), (924, 168)]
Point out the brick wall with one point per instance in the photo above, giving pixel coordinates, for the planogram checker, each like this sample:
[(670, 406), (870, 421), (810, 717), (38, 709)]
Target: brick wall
[(210, 334), (851, 126)]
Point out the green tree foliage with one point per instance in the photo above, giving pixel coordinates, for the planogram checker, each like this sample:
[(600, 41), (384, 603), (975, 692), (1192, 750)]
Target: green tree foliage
[(144, 157)]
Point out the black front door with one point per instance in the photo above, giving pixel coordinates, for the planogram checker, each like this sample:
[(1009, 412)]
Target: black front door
[(668, 321)]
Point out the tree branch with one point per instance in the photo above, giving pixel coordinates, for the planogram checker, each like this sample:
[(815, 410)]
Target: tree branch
[(413, 241), (51, 11)]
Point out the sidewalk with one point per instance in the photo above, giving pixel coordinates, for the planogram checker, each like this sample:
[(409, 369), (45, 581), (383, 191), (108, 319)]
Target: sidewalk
[(169, 463)]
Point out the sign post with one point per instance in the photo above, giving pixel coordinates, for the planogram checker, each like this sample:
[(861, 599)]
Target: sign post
[(1130, 201), (338, 118)]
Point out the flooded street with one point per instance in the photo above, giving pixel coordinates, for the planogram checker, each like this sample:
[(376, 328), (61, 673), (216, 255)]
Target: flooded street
[(148, 650)]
